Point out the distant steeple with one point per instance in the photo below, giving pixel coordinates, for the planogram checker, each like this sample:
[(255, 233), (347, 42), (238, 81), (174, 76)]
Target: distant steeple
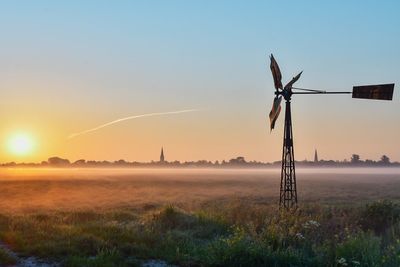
[(162, 155), (316, 156)]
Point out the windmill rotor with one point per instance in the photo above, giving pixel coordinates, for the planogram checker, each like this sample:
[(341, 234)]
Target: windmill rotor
[(280, 91)]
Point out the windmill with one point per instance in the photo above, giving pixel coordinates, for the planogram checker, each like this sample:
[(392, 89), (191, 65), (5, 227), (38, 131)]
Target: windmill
[(288, 188)]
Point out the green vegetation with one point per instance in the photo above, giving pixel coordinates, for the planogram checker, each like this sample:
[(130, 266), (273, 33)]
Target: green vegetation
[(237, 233), (5, 258)]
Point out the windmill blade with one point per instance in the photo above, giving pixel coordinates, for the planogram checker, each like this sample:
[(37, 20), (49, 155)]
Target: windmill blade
[(276, 73), (274, 114), (377, 91), (289, 85)]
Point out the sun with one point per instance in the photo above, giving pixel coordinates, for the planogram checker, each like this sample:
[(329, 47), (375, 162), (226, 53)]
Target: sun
[(20, 144)]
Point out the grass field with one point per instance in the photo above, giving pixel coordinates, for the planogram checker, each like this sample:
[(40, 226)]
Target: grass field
[(125, 217)]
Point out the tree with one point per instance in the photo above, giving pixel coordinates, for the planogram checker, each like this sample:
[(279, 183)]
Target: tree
[(238, 160), (355, 158), (385, 159), (120, 162), (80, 162), (58, 161), (369, 162)]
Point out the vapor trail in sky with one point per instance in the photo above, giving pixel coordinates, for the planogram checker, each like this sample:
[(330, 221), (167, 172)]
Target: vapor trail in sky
[(130, 118)]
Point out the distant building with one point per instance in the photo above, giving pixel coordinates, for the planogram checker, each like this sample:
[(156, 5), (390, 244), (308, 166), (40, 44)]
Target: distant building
[(316, 156), (162, 155)]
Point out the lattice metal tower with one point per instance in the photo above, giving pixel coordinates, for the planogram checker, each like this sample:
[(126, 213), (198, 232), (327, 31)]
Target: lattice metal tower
[(288, 192)]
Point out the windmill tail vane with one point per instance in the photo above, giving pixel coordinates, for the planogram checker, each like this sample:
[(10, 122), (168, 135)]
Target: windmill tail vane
[(288, 187)]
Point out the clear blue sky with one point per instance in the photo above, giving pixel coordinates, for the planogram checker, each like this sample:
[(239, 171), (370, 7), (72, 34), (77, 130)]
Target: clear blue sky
[(68, 66)]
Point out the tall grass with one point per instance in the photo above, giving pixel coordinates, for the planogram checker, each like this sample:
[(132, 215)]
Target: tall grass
[(237, 233)]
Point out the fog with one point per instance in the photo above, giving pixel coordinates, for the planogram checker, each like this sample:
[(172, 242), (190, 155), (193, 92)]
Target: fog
[(25, 190)]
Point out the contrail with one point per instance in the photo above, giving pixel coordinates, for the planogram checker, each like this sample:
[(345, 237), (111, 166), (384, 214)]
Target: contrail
[(130, 118)]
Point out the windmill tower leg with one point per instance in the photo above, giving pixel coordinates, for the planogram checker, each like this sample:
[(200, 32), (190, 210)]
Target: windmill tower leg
[(288, 191)]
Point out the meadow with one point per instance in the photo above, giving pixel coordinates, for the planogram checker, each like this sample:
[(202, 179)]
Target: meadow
[(199, 217)]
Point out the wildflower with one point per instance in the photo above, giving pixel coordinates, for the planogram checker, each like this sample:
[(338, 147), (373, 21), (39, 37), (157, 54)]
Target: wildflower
[(300, 236), (314, 223), (342, 261), (311, 224)]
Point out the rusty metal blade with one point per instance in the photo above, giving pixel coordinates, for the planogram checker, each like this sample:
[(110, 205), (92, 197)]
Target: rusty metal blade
[(276, 73), (289, 85), (274, 113)]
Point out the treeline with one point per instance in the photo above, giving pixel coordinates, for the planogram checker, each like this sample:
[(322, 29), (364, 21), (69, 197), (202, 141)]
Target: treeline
[(60, 162), (355, 161), (238, 162)]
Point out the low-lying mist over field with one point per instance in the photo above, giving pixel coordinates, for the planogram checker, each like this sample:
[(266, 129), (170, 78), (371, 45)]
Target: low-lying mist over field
[(25, 190)]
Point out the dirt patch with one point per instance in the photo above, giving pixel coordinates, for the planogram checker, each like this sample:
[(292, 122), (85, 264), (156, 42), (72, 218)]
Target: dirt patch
[(25, 262)]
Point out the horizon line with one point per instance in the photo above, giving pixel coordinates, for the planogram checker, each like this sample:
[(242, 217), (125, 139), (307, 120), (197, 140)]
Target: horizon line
[(214, 162)]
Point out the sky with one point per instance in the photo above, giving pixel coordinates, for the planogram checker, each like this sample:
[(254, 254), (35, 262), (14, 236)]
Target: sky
[(70, 66)]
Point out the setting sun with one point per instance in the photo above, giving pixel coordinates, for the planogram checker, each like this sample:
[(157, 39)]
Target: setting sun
[(20, 144)]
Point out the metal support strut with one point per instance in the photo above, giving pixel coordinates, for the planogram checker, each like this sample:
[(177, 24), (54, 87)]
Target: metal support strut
[(288, 192)]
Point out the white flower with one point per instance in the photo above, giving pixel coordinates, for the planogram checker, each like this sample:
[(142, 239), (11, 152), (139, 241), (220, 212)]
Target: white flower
[(314, 223), (311, 224), (342, 261), (300, 236)]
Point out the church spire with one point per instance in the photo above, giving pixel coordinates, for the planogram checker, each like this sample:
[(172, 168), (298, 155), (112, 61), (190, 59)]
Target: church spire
[(162, 155), (315, 156)]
